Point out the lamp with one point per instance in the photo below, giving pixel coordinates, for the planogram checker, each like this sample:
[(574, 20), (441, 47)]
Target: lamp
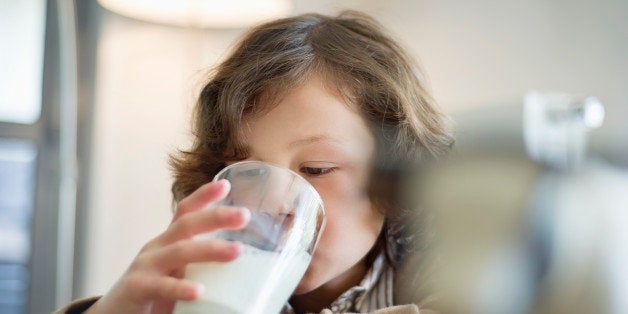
[(201, 13)]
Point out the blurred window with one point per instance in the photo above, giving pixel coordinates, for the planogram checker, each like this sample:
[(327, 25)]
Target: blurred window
[(23, 142), (17, 186), (22, 32)]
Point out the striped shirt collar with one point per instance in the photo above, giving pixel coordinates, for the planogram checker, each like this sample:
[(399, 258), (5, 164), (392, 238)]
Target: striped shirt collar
[(375, 291)]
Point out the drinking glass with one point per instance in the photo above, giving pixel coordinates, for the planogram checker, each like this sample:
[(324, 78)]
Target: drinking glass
[(287, 218)]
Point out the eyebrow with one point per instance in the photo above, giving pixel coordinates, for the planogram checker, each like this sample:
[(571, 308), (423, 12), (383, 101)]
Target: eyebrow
[(314, 139)]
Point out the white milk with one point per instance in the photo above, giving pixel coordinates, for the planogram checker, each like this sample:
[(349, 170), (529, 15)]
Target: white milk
[(256, 282)]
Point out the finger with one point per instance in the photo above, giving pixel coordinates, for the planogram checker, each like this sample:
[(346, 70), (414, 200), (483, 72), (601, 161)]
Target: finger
[(162, 307), (167, 288), (176, 255), (202, 197), (205, 221), (178, 273)]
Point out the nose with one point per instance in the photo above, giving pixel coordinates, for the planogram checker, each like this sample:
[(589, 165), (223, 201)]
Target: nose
[(278, 193), (264, 187)]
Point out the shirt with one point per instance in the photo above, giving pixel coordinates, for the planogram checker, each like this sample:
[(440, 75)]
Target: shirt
[(375, 291), (373, 294)]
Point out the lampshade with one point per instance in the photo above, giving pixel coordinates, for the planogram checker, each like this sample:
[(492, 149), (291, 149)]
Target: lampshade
[(201, 13)]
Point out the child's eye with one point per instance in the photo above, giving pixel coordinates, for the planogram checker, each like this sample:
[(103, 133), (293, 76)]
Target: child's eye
[(312, 171)]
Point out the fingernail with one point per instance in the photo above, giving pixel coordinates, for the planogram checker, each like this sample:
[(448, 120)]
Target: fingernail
[(224, 183), (200, 290), (237, 248), (246, 213)]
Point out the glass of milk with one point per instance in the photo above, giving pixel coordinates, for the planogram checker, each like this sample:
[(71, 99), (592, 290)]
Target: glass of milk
[(287, 218)]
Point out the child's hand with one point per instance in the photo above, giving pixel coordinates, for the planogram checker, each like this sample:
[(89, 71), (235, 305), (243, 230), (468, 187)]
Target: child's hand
[(153, 281)]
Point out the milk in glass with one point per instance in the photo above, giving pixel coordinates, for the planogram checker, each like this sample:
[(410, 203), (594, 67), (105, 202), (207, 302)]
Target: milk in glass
[(257, 281)]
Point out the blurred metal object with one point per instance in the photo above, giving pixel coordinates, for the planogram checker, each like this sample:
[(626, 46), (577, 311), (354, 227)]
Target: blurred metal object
[(514, 236), (513, 233), (476, 206), (555, 127)]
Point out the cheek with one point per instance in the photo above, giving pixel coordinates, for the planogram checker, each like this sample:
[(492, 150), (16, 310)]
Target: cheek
[(343, 187), (352, 229), (343, 198), (352, 223)]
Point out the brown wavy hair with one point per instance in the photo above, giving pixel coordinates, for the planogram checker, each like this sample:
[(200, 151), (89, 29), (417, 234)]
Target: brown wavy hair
[(356, 58)]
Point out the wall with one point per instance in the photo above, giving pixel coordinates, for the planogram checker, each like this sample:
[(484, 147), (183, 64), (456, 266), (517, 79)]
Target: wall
[(146, 79), (475, 52), (487, 52)]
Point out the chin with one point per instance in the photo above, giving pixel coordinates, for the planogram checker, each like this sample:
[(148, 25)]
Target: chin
[(308, 283), (301, 290)]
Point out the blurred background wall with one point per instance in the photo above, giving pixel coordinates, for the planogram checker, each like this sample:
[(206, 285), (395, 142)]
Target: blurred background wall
[(139, 81)]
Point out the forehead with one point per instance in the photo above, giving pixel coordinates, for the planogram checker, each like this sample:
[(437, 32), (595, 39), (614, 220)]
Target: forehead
[(310, 113)]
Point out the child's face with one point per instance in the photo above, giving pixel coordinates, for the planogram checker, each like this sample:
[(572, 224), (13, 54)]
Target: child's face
[(316, 134)]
